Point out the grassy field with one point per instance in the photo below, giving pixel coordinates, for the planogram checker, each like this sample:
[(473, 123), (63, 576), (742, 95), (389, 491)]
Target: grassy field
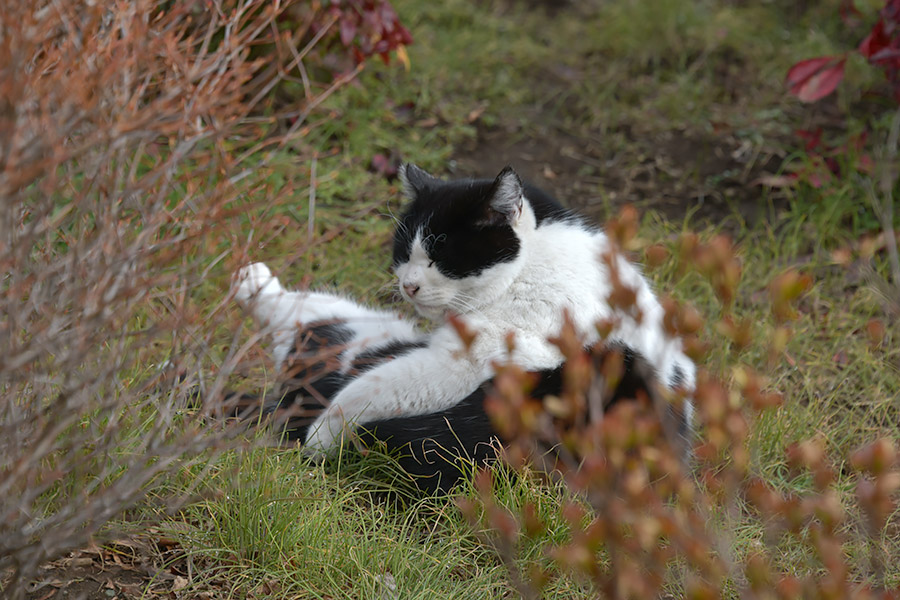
[(676, 107)]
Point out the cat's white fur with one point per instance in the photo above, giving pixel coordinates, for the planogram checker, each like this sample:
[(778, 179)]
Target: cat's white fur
[(280, 313), (559, 267)]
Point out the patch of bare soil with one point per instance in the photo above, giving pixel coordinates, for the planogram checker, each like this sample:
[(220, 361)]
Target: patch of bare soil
[(137, 567), (91, 573), (78, 582), (712, 176), (709, 172)]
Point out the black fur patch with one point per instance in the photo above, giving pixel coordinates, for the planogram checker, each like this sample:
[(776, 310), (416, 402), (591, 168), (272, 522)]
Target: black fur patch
[(546, 208), (429, 447), (677, 377), (312, 378), (318, 336), (435, 448), (637, 374), (372, 358)]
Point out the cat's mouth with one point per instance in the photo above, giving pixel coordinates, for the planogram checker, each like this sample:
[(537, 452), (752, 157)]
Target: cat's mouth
[(430, 311)]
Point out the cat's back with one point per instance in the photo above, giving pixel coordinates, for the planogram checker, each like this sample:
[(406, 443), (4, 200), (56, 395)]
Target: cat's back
[(547, 209), (564, 250)]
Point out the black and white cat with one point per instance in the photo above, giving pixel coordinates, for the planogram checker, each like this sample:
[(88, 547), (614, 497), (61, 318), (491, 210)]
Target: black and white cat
[(503, 256)]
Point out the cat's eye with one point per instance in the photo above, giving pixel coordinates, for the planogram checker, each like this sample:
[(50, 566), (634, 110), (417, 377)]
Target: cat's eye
[(430, 264)]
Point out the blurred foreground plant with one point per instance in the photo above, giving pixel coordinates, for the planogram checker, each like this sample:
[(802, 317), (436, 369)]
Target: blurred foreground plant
[(132, 150), (643, 522)]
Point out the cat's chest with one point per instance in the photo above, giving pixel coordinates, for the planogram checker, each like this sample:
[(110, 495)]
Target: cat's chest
[(571, 278)]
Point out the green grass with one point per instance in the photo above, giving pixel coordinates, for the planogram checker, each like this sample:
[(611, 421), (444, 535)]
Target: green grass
[(637, 68), (305, 531), (316, 535)]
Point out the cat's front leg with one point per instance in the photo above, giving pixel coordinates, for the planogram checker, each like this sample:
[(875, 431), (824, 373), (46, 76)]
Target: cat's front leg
[(326, 432), (424, 381)]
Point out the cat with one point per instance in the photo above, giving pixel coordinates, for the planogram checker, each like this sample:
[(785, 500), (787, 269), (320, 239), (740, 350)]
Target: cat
[(503, 256)]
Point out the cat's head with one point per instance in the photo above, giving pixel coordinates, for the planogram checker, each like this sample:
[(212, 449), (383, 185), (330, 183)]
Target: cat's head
[(459, 244)]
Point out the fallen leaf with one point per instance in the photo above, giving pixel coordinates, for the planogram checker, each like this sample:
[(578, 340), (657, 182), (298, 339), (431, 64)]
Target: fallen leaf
[(840, 358), (80, 561), (427, 123), (875, 329), (475, 113), (775, 181), (180, 583), (842, 256)]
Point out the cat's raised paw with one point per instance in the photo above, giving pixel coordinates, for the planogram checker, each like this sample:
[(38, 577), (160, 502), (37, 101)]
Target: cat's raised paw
[(254, 280)]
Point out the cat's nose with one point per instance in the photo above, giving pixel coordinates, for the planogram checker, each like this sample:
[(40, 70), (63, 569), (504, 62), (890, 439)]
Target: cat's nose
[(411, 289)]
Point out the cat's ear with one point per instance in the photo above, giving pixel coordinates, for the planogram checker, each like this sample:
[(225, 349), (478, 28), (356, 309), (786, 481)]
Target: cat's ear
[(414, 180), (506, 198)]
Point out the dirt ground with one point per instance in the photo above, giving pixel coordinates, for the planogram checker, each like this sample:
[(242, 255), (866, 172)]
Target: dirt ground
[(145, 566), (712, 176)]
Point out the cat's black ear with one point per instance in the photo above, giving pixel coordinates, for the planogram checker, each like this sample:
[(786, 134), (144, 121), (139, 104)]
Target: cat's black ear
[(414, 180), (506, 198)]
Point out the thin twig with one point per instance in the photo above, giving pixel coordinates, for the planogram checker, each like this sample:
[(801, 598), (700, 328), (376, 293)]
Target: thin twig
[(311, 223), (885, 208)]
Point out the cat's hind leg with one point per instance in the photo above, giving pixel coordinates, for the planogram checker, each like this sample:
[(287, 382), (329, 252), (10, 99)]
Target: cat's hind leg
[(320, 342), (284, 313), (277, 311)]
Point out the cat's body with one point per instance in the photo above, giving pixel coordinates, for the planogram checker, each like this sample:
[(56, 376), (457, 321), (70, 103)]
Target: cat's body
[(504, 257)]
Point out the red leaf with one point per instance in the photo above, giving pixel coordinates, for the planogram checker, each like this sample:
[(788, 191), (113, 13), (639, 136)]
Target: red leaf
[(815, 78), (405, 36), (812, 137), (348, 30), (388, 18), (890, 15), (885, 55), (805, 69), (876, 41)]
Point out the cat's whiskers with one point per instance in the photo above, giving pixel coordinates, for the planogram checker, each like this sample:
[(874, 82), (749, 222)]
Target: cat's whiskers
[(390, 214), (464, 304), (395, 294), (401, 227)]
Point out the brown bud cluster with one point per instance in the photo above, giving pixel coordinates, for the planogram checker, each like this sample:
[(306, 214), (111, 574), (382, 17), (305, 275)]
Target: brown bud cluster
[(640, 507), (784, 290), (715, 260)]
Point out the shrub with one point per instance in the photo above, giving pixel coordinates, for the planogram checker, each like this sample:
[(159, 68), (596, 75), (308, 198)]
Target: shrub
[(133, 148), (643, 523)]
